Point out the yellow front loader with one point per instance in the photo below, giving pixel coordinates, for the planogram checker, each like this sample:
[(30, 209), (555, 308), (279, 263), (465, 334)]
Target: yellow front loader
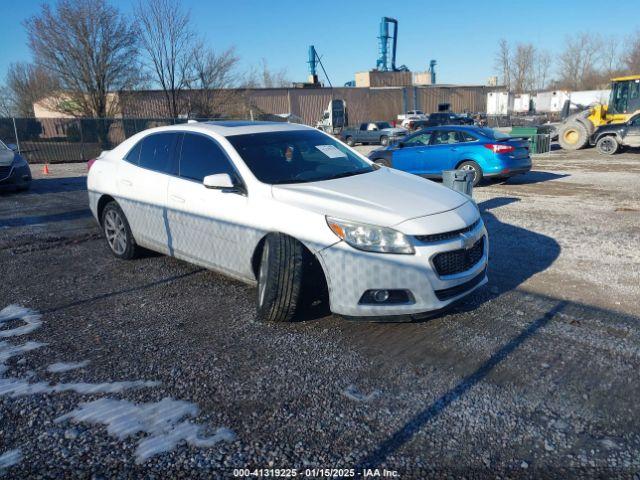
[(624, 102)]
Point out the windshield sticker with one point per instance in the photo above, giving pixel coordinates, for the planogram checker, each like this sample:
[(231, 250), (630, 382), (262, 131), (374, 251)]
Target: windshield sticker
[(331, 151)]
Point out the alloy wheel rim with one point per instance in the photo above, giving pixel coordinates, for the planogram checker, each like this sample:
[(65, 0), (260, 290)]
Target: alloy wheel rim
[(607, 146), (115, 232), (469, 168)]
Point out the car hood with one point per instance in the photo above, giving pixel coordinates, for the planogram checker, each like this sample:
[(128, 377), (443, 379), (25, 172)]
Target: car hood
[(384, 197), (6, 157)]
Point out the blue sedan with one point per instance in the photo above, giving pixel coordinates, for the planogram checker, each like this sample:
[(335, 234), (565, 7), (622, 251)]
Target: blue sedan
[(485, 152)]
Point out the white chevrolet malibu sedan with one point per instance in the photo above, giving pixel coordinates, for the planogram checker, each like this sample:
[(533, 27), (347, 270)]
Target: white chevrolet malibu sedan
[(294, 210)]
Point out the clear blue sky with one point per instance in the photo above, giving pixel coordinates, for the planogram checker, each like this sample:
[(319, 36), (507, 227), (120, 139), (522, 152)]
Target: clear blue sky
[(461, 35)]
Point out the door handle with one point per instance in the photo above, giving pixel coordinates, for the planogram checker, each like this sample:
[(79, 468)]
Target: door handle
[(454, 149), (126, 183), (176, 198)]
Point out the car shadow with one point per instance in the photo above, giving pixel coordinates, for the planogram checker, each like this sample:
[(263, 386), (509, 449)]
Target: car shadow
[(533, 177), (515, 254), (58, 185)]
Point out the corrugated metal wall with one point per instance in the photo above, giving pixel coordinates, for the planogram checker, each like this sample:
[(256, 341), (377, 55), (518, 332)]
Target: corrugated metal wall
[(363, 104)]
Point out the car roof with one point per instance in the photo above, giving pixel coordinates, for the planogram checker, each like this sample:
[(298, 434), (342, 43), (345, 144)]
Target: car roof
[(229, 128)]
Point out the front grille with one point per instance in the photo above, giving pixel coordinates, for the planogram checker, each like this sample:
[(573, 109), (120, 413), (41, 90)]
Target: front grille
[(447, 293), (457, 261), (5, 170), (438, 237)]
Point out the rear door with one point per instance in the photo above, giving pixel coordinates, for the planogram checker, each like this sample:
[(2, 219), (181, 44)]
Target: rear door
[(206, 224), (632, 135), (142, 187), (414, 154)]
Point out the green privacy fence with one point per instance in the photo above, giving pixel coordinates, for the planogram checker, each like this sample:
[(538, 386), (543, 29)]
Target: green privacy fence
[(58, 140)]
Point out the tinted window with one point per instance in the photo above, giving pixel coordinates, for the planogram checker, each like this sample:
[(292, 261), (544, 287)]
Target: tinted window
[(493, 134), (134, 154), (297, 156), (157, 152), (419, 139), (444, 137), (200, 157), (466, 137), (382, 125)]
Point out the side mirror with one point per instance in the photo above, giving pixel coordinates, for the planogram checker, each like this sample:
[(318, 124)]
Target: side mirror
[(400, 144), (219, 181), (13, 147)]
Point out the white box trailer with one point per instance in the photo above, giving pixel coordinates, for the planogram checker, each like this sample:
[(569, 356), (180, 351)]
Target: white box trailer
[(550, 102), (521, 103), (499, 103), (589, 97)]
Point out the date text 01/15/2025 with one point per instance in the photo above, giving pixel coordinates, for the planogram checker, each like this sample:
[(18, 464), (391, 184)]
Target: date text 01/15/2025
[(316, 472)]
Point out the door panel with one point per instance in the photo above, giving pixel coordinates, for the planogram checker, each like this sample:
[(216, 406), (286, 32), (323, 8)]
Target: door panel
[(414, 155), (632, 137)]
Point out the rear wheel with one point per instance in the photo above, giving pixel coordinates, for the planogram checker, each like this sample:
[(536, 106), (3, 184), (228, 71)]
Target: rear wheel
[(280, 278), (384, 140), (608, 145), (573, 136), (118, 233), (471, 166), (350, 141)]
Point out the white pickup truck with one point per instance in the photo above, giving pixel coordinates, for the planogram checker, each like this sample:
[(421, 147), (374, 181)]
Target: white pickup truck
[(404, 118)]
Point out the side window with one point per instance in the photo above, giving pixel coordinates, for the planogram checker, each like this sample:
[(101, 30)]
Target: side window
[(157, 152), (201, 157), (466, 137), (421, 139), (444, 137), (363, 126), (636, 121), (134, 154)]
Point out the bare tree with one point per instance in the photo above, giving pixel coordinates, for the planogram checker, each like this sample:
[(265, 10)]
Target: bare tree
[(29, 83), (169, 41), (522, 68), (7, 103), (542, 69), (503, 63), (90, 49), (214, 76), (264, 77), (631, 58), (580, 62)]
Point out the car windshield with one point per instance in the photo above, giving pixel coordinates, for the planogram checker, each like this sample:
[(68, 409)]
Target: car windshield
[(382, 125), (494, 134), (297, 156)]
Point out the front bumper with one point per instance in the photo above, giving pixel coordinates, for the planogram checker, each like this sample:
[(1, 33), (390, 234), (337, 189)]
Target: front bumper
[(352, 272), (15, 176)]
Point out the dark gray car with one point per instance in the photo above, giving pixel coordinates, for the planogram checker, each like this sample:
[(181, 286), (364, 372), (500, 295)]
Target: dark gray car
[(15, 173), (373, 132)]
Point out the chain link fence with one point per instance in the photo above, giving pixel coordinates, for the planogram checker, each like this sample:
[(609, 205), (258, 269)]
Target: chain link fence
[(59, 140)]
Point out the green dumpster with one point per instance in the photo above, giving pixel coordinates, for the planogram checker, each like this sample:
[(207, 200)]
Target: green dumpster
[(538, 143)]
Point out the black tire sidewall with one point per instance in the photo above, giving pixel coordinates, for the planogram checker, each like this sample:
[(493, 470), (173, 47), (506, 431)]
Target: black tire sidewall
[(608, 139), (131, 249), (478, 171), (384, 140), (349, 141)]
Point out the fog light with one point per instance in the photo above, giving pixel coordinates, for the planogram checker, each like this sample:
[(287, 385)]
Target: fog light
[(381, 295)]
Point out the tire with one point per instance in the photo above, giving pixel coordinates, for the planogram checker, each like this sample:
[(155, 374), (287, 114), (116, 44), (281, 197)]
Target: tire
[(384, 140), (117, 232), (573, 135), (608, 145), (470, 165), (280, 278), (349, 141), (382, 161)]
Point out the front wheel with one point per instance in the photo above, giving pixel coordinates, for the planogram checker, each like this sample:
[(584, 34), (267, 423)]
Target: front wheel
[(573, 136), (384, 140), (608, 146), (280, 278), (118, 233), (350, 141), (471, 166), (383, 162)]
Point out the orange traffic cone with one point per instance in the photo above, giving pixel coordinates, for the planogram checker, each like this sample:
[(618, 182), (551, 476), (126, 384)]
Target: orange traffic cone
[(45, 169)]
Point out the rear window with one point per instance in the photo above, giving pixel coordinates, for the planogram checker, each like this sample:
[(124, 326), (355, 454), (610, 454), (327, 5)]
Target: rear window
[(157, 152), (494, 134)]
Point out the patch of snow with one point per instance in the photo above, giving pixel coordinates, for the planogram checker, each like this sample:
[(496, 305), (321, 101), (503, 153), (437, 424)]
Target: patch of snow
[(10, 458), (59, 367), (161, 421), (31, 318), (352, 393), (19, 386)]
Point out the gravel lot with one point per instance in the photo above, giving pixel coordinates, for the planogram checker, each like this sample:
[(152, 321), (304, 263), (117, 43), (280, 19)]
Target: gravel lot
[(533, 375)]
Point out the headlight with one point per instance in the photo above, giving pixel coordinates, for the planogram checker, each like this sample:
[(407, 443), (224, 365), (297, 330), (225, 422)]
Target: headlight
[(370, 238)]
